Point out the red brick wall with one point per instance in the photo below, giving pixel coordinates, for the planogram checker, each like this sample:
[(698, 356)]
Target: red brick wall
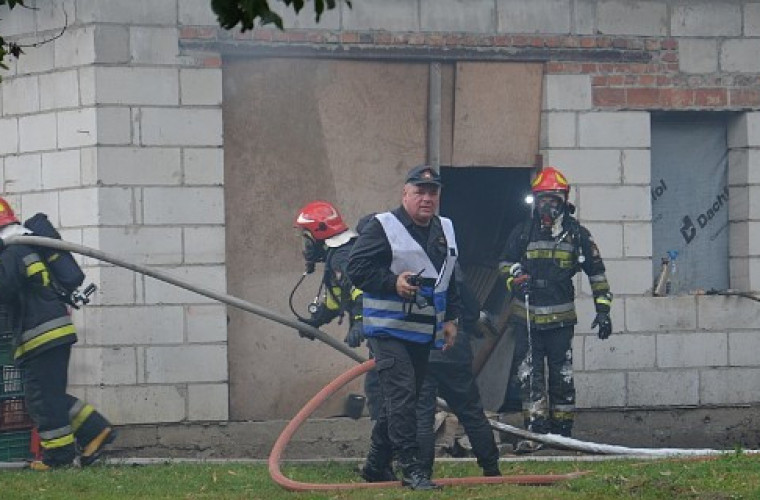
[(627, 72)]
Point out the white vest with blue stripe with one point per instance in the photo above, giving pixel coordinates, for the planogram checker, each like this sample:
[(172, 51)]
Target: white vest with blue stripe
[(389, 314)]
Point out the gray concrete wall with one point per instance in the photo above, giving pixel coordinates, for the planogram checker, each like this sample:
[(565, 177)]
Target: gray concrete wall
[(118, 139), (115, 129), (609, 64)]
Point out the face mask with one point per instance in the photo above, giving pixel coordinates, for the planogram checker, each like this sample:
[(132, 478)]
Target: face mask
[(313, 251), (550, 208)]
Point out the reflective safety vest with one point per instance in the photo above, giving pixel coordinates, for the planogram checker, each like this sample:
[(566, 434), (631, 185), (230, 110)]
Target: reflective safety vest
[(416, 320)]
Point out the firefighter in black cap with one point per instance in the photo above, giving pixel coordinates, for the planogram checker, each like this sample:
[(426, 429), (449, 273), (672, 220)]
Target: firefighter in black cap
[(404, 262)]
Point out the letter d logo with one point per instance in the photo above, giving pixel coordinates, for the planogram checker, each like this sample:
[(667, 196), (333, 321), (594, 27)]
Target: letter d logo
[(688, 231)]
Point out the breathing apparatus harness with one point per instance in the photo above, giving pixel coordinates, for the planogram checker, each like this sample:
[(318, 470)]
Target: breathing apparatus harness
[(66, 276), (314, 305)]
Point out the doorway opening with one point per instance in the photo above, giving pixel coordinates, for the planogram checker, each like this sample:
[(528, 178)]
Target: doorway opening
[(485, 204)]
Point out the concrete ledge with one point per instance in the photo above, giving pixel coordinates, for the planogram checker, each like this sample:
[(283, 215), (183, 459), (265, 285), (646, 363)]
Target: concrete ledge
[(717, 428), (320, 438)]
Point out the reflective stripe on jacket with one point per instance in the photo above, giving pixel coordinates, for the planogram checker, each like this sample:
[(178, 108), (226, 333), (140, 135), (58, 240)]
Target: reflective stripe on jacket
[(41, 320), (552, 261)]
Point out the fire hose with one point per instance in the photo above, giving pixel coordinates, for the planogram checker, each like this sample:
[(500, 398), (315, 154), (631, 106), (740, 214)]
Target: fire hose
[(330, 389), (154, 273), (549, 439)]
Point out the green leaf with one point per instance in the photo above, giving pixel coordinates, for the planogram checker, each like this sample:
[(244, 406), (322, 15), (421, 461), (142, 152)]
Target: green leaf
[(249, 13), (271, 18), (13, 3), (319, 7)]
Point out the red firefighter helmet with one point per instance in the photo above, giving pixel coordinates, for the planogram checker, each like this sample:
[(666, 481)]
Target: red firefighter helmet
[(321, 219), (549, 179), (6, 214)]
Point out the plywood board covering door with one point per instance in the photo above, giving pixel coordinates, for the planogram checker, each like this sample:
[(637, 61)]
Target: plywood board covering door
[(497, 113)]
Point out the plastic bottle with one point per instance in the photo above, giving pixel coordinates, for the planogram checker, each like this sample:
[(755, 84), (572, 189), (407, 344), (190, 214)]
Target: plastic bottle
[(672, 285), (662, 281)]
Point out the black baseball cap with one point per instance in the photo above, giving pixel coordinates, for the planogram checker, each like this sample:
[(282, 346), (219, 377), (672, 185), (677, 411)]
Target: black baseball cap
[(423, 174)]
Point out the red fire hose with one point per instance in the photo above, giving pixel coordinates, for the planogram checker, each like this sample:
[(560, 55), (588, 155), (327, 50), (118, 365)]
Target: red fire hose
[(329, 390)]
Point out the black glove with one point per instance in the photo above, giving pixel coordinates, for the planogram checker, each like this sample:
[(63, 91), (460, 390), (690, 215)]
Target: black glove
[(355, 335), (604, 323)]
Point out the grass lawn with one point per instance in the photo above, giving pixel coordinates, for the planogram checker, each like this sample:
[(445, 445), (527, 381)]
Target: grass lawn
[(733, 476)]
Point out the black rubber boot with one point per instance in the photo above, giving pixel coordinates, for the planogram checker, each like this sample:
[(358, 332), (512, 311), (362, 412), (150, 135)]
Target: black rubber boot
[(562, 427), (537, 425), (372, 475), (377, 468), (413, 476), (416, 480), (525, 446), (491, 470)]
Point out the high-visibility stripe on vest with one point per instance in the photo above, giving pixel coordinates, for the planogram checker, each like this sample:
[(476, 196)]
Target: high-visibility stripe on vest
[(389, 314)]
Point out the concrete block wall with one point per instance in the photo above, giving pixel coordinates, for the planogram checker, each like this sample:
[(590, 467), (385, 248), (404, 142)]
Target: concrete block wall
[(130, 160), (118, 138), (610, 64)]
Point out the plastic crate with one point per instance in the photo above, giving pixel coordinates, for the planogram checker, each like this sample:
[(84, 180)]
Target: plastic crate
[(11, 381), (13, 414), (15, 446)]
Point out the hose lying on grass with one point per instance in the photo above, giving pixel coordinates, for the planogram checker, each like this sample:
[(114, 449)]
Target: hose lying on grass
[(330, 389)]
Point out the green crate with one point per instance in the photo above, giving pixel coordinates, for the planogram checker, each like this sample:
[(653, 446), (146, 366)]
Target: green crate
[(15, 446)]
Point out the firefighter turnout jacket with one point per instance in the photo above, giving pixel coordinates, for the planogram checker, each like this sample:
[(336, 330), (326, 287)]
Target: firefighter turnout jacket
[(552, 261), (41, 320)]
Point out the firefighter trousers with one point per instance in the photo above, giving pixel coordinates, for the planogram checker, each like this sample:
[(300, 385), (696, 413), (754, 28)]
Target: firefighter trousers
[(64, 422), (548, 405)]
